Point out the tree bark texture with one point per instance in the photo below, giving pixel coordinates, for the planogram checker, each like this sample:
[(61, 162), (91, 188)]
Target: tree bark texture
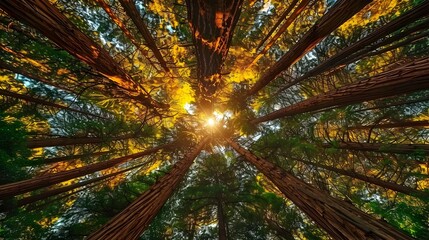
[(360, 47), (212, 24), (47, 19), (376, 181), (221, 221), (133, 13), (337, 15), (407, 78), (13, 189), (133, 220), (339, 219)]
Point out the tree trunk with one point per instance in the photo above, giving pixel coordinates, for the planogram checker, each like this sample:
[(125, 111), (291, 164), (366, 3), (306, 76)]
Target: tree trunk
[(381, 147), (337, 15), (407, 78), (29, 98), (221, 221), (339, 219), (57, 191), (403, 124), (134, 14), (13, 189), (212, 24), (388, 185), (361, 46), (133, 220), (282, 29), (65, 141), (47, 19)]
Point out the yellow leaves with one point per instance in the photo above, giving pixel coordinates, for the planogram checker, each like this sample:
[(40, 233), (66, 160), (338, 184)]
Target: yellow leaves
[(154, 166), (423, 184), (371, 13), (48, 221)]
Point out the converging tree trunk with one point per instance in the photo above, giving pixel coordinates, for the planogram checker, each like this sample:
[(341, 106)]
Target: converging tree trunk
[(361, 47), (337, 15), (376, 181), (133, 13), (212, 24), (221, 220), (133, 220), (47, 19), (403, 124), (13, 189), (338, 218), (406, 78)]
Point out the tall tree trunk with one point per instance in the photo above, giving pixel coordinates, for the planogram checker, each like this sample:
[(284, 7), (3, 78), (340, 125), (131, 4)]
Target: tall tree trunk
[(133, 220), (407, 78), (134, 14), (381, 147), (221, 221), (47, 19), (57, 191), (212, 24), (337, 15), (13, 189), (394, 104), (126, 32), (403, 124), (339, 219), (74, 157), (388, 185), (361, 47), (282, 29), (65, 141), (32, 99)]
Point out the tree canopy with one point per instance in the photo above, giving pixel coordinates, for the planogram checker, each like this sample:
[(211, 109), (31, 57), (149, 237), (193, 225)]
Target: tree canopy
[(226, 119)]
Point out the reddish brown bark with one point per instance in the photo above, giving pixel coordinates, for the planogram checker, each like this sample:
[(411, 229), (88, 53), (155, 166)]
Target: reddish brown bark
[(360, 47), (339, 219), (282, 29), (380, 147), (64, 141), (212, 24), (337, 15), (134, 14), (133, 220), (47, 19), (407, 78), (376, 181), (222, 224), (57, 191), (13, 189)]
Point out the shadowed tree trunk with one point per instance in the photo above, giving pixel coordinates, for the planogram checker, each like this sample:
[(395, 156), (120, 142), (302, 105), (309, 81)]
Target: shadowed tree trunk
[(338, 218), (381, 147), (361, 47), (57, 191), (407, 78), (133, 220), (337, 15), (212, 24), (64, 141), (221, 221), (13, 189), (134, 14), (302, 5), (47, 19), (31, 99), (376, 181)]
